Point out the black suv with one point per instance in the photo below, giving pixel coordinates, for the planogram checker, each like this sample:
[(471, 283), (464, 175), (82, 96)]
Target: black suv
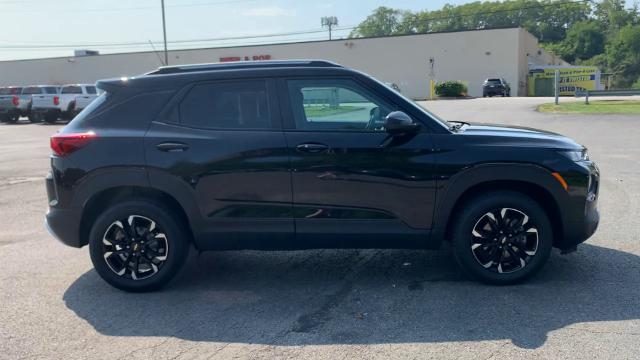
[(286, 155), (491, 87)]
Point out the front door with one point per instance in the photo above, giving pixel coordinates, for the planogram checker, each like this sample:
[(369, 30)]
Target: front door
[(354, 185)]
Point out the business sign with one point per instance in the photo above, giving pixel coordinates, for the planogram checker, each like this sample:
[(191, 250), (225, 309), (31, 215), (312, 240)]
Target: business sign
[(245, 58), (572, 78)]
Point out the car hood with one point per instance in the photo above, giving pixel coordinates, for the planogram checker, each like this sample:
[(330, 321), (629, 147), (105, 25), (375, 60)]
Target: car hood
[(520, 136)]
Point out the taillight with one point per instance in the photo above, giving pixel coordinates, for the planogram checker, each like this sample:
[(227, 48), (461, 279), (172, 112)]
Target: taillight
[(64, 144), (15, 101), (56, 100)]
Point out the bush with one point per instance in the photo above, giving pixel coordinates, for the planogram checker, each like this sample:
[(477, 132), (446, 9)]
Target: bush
[(451, 89)]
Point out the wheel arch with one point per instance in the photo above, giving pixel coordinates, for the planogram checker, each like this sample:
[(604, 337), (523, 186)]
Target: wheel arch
[(101, 200), (531, 180)]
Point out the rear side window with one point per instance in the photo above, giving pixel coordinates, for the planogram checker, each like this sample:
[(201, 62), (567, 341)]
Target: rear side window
[(91, 90), (72, 90), (229, 105), (32, 90)]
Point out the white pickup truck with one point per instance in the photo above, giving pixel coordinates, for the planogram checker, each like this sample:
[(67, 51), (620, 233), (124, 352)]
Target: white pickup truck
[(67, 104)]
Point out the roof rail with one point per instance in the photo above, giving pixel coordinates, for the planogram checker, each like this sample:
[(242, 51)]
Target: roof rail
[(242, 65)]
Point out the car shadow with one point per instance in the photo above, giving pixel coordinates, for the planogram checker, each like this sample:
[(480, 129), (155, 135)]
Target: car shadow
[(363, 297)]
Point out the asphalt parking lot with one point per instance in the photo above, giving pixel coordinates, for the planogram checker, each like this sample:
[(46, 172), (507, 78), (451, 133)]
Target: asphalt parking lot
[(329, 304)]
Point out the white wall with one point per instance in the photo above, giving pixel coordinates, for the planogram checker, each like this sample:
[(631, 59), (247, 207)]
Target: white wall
[(470, 56)]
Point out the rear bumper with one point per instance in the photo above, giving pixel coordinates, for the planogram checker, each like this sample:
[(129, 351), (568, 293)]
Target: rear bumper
[(9, 111), (493, 91), (46, 111), (64, 226)]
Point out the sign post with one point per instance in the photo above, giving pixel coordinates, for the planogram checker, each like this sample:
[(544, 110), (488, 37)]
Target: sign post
[(556, 85)]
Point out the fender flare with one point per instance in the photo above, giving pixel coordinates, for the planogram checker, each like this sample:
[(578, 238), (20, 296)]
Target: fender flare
[(466, 179)]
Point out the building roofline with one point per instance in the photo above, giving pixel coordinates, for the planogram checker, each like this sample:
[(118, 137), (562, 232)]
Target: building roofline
[(269, 44)]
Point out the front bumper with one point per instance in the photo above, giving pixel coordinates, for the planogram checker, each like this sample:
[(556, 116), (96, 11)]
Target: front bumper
[(582, 227)]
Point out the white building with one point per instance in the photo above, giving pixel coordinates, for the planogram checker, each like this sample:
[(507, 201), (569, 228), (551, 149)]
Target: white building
[(410, 61)]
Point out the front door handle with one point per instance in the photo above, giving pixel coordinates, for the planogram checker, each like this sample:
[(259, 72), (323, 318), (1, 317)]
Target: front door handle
[(172, 146), (312, 147)]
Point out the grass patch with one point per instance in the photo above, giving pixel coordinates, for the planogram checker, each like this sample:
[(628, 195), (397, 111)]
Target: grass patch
[(594, 107), (319, 111)]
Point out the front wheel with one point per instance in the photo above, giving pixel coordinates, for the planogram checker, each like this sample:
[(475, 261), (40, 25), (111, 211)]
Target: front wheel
[(502, 237), (138, 246)]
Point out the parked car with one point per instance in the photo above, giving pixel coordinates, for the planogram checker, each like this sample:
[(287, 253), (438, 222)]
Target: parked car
[(13, 104), (492, 87), (43, 98), (82, 101), (237, 156), (68, 96)]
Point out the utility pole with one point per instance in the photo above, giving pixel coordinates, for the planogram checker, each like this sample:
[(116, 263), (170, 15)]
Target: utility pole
[(330, 22), (164, 33)]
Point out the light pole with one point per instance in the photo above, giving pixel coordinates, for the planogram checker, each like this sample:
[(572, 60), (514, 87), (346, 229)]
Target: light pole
[(164, 33), (329, 21)]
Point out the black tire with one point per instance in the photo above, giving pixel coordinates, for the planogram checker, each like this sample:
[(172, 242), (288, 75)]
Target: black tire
[(131, 254), (50, 119), (35, 118), (13, 119), (517, 253)]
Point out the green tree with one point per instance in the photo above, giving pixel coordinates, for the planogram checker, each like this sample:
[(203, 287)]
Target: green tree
[(623, 55), (383, 22), (584, 40)]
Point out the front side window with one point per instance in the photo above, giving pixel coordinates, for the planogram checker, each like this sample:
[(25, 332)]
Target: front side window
[(228, 105), (339, 104)]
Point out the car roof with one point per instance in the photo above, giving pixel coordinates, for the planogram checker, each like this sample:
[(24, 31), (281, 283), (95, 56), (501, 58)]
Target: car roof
[(238, 65), (177, 76)]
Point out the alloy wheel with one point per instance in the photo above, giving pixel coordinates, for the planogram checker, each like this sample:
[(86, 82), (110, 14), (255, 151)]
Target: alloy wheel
[(504, 240), (135, 247)]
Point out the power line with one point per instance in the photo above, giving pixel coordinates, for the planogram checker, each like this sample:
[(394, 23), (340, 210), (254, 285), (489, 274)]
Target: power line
[(244, 37), (134, 8)]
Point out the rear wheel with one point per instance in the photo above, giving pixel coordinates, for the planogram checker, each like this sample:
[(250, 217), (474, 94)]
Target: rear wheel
[(35, 118), (13, 119), (502, 237), (50, 119), (137, 246)]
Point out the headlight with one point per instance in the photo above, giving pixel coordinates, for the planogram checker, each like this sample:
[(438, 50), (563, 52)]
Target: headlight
[(576, 155)]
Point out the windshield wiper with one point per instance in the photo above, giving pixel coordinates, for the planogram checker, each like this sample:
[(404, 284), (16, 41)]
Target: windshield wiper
[(457, 125)]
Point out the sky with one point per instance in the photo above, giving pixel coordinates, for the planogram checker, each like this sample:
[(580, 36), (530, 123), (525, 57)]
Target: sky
[(104, 25)]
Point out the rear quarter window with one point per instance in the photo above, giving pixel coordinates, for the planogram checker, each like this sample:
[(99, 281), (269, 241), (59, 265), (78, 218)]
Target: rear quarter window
[(122, 111)]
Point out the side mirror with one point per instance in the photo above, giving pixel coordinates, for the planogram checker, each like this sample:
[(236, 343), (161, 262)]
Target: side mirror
[(399, 123)]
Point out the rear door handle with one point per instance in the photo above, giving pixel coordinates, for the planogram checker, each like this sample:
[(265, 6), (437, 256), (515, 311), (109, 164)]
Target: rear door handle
[(172, 146), (312, 147)]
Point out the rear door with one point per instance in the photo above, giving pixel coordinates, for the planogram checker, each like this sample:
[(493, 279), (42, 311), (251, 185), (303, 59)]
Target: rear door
[(354, 185), (222, 147)]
